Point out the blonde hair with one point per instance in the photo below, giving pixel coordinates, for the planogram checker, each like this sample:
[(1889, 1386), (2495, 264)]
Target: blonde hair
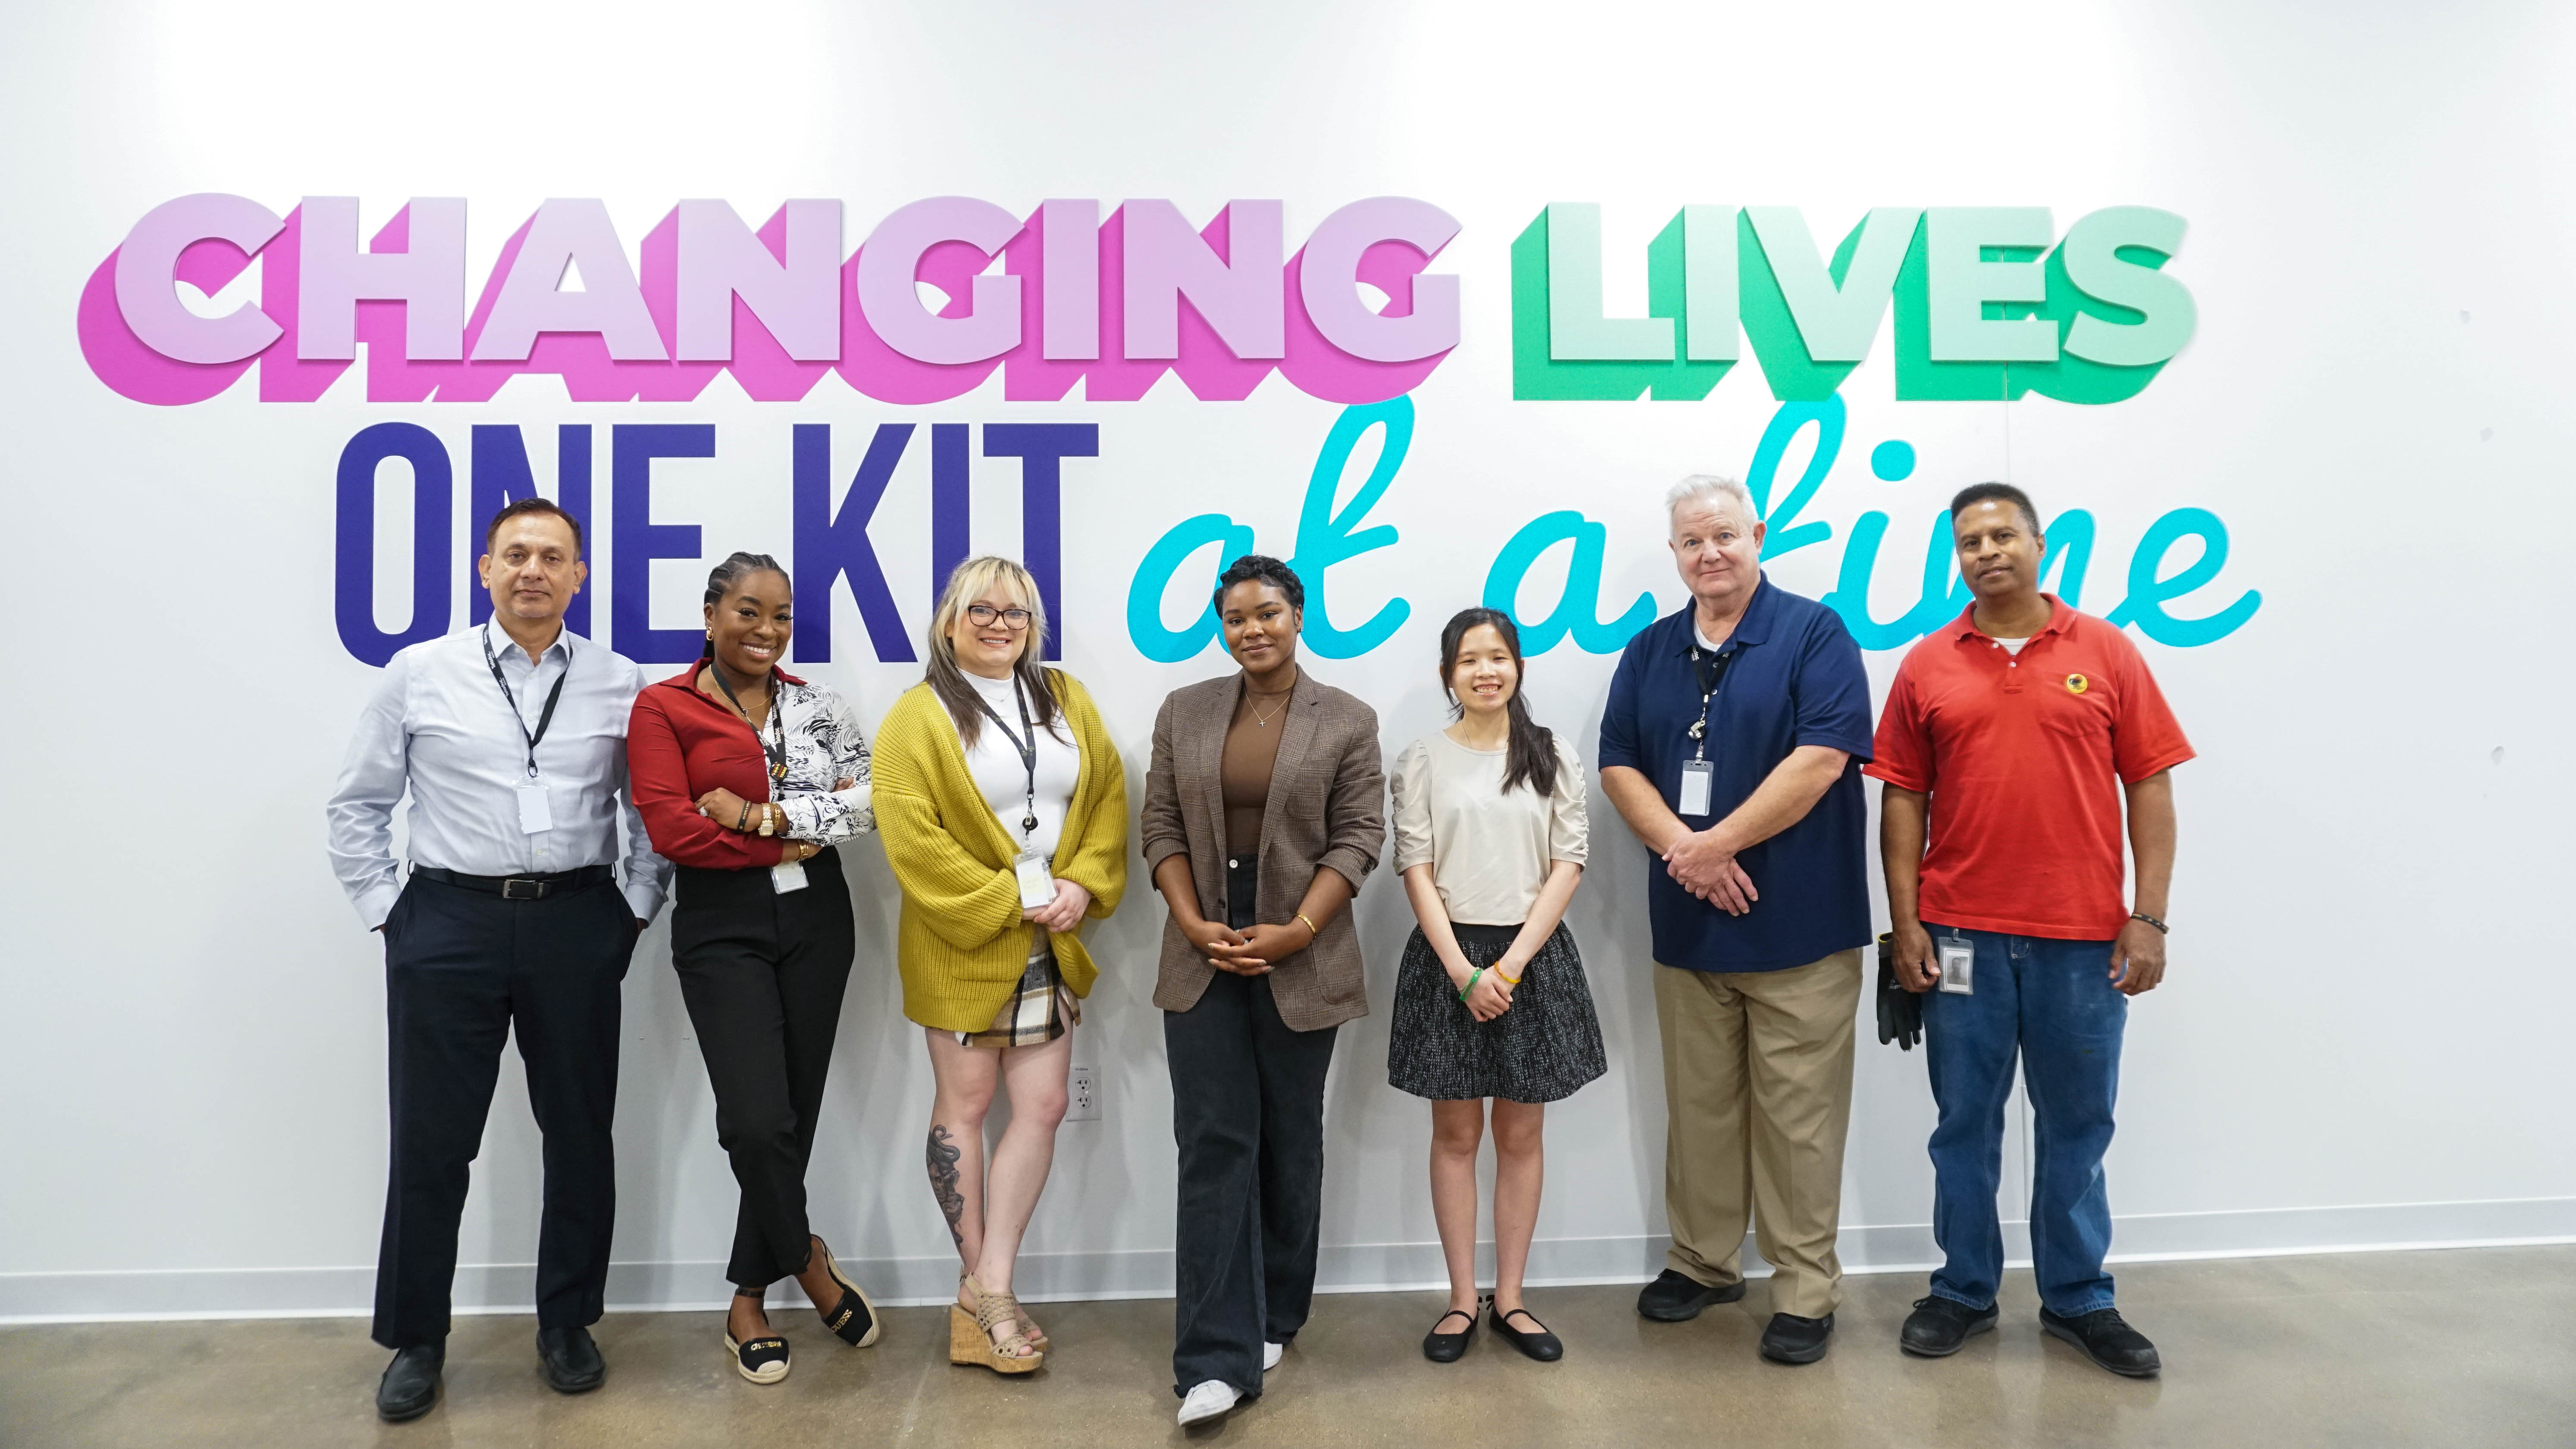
[(968, 582)]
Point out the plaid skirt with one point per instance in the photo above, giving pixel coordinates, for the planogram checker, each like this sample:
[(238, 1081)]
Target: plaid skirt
[(1039, 1012)]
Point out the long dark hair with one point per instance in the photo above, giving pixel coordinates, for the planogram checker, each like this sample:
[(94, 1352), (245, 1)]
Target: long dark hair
[(721, 579), (1532, 758)]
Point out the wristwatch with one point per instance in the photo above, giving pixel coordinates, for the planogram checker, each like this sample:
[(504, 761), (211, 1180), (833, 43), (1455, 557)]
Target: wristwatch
[(768, 820)]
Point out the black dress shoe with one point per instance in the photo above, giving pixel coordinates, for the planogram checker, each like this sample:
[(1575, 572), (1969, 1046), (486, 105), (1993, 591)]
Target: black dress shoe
[(571, 1361), (1450, 1347), (1791, 1339), (1938, 1326), (2108, 1340), (1674, 1297), (410, 1384), (1538, 1343)]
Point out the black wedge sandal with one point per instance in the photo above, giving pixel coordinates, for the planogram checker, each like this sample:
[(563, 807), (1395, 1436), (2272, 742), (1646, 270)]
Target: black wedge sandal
[(761, 1358), (1450, 1347), (854, 1318), (1542, 1345)]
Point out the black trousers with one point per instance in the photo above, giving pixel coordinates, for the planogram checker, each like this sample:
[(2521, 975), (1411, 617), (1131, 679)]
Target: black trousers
[(762, 974), (463, 970), (1248, 1113)]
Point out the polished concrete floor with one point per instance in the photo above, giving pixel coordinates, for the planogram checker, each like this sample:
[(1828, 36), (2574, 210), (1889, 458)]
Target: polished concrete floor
[(2468, 1347)]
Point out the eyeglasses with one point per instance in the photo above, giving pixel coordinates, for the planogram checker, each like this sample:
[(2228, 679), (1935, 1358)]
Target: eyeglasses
[(983, 615)]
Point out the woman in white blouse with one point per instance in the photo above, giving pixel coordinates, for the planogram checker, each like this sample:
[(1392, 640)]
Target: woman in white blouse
[(1490, 999)]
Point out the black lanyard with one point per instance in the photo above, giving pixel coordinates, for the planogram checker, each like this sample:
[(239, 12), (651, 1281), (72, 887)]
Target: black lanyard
[(1027, 747), (1709, 680), (545, 718), (777, 752)]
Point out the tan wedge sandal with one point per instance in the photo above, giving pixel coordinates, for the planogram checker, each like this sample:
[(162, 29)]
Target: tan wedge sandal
[(970, 1336), (1028, 1326)]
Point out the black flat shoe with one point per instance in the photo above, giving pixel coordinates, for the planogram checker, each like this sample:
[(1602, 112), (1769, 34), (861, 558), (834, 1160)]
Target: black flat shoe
[(1939, 1326), (1791, 1339), (2108, 1340), (1542, 1345), (762, 1359), (854, 1318), (570, 1360), (1674, 1297), (1450, 1347), (410, 1384)]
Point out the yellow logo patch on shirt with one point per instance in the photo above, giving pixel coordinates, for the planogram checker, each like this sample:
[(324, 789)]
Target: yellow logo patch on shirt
[(2077, 684)]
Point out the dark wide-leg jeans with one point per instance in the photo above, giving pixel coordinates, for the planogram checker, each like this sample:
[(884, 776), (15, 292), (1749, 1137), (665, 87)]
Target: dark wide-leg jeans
[(763, 974), (462, 970), (1248, 1114)]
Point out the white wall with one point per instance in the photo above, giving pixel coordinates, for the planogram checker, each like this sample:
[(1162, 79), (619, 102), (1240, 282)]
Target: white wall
[(2361, 1038)]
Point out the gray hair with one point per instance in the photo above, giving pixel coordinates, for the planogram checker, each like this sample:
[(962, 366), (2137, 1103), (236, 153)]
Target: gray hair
[(1704, 488)]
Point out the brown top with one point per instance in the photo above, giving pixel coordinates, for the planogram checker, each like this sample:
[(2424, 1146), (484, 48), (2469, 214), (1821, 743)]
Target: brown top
[(1251, 753)]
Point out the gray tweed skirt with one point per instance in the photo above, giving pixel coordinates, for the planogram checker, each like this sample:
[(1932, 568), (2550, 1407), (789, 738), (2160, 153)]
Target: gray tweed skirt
[(1541, 1050)]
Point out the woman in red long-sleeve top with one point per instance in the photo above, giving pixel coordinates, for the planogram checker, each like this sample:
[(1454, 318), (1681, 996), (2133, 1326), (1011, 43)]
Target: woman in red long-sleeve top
[(746, 778)]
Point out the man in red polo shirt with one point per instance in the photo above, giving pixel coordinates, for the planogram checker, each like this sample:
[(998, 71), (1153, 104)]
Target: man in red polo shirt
[(2009, 740)]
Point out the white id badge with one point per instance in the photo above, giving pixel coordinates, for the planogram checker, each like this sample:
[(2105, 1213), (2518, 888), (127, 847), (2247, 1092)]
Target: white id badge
[(1037, 886), (536, 816), (787, 875), (1696, 775), (1958, 965)]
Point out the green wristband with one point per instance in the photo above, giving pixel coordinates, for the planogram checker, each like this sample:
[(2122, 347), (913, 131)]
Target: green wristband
[(1472, 978)]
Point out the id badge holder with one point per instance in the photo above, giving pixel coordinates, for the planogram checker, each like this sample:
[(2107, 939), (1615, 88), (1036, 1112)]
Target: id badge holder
[(1037, 885), (1958, 965), (536, 813), (1697, 777), (787, 875)]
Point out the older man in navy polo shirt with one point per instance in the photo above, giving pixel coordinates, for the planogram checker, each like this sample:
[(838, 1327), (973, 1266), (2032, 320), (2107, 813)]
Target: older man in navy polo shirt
[(1731, 745)]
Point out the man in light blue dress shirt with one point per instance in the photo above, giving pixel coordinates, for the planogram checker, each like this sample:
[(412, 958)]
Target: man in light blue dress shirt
[(521, 910)]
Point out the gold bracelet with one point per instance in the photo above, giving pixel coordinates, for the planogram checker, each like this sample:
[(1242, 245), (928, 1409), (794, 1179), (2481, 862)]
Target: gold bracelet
[(1312, 934), (1508, 980)]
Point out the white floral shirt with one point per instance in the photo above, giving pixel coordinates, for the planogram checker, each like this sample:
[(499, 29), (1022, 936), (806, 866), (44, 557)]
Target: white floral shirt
[(824, 747)]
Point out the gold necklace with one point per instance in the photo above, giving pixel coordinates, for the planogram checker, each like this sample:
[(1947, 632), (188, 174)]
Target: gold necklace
[(1260, 720)]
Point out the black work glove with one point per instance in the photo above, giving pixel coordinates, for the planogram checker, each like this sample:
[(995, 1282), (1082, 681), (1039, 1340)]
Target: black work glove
[(1900, 1012)]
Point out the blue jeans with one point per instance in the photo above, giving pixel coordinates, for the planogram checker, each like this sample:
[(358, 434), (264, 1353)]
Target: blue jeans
[(2052, 1003)]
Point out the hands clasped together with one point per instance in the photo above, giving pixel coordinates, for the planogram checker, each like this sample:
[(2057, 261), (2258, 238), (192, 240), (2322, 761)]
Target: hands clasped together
[(1064, 912), (1709, 871), (1252, 951)]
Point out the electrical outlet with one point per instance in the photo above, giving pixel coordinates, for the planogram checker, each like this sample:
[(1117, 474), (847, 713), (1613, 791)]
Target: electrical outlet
[(1082, 1089)]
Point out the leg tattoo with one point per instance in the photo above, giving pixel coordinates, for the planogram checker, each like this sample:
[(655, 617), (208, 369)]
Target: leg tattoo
[(942, 1154)]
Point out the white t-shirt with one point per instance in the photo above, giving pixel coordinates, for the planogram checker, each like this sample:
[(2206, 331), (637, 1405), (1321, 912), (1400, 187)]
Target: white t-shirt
[(2012, 646), (999, 773)]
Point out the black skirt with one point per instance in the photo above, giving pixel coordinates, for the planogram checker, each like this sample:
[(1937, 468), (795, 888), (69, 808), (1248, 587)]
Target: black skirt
[(1541, 1050)]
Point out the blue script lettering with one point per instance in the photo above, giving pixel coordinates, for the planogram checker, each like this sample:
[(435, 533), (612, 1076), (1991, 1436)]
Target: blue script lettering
[(1325, 537)]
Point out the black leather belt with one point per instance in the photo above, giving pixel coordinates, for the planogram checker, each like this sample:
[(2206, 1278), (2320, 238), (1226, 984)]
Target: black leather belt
[(516, 887)]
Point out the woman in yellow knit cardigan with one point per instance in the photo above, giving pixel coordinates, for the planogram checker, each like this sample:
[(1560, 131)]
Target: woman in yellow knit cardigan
[(1003, 808)]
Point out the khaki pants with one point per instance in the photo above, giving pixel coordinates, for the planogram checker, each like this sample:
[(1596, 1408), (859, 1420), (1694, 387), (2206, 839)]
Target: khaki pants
[(1757, 1089)]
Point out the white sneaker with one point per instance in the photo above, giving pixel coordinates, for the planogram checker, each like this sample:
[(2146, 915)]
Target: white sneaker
[(1270, 1353), (1208, 1400)]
